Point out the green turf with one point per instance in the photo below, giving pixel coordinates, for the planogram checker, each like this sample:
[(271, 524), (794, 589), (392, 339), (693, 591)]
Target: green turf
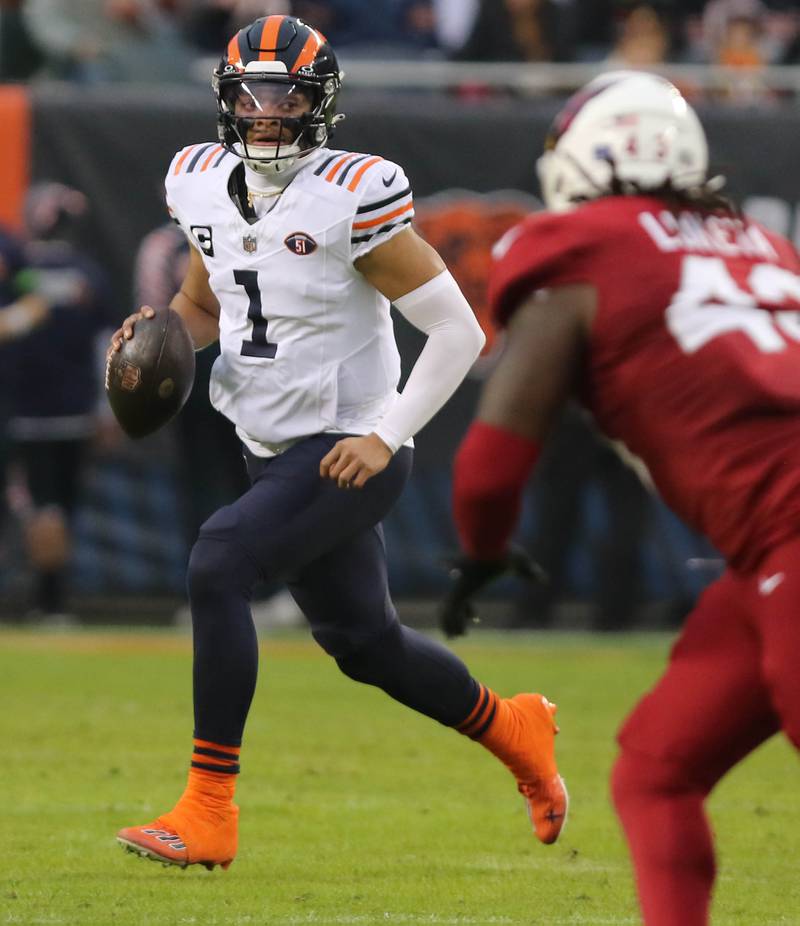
[(354, 810)]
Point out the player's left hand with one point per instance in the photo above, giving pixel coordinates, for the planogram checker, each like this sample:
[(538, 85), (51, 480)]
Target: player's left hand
[(354, 460), (471, 575)]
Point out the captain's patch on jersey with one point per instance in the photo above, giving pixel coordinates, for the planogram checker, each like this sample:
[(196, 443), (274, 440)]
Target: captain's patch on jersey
[(203, 236), (300, 243)]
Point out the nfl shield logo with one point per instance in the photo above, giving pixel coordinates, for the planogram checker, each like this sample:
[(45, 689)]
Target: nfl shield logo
[(249, 243), (131, 377)]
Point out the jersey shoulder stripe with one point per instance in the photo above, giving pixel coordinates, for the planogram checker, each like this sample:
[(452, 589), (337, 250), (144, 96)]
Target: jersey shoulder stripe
[(326, 162), (373, 233), (384, 217), (386, 206), (380, 216), (198, 157), (371, 207), (359, 174), (346, 168), (351, 164), (336, 164)]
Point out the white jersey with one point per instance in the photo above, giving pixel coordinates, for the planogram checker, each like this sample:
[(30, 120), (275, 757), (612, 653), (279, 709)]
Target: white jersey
[(307, 344)]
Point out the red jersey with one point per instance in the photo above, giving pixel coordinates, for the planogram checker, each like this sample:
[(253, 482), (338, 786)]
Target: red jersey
[(694, 353)]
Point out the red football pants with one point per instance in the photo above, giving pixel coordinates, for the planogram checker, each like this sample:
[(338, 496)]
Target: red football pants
[(733, 680)]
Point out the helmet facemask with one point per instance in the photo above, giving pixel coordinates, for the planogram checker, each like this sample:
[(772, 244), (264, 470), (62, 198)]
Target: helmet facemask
[(268, 68), (271, 119)]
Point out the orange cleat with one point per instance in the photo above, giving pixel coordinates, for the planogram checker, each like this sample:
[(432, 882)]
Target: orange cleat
[(534, 765), (188, 835)]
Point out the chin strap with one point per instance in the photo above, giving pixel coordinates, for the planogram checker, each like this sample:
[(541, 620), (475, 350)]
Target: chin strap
[(263, 184), (275, 168)]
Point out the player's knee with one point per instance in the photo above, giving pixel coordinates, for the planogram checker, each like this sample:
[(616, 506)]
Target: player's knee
[(637, 778), (780, 673), (371, 661), (218, 569), (628, 780)]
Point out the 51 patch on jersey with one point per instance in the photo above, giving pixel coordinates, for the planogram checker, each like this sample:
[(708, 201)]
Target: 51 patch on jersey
[(300, 243)]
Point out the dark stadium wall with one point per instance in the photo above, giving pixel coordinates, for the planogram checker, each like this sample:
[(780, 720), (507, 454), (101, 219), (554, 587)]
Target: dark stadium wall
[(116, 142)]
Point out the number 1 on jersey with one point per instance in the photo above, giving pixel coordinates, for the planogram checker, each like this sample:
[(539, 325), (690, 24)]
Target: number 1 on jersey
[(259, 346)]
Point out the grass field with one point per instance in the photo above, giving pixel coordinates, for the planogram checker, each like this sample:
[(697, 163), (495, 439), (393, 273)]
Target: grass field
[(354, 810)]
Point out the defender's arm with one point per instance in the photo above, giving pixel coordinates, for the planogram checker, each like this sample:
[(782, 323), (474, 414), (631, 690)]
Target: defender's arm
[(536, 374)]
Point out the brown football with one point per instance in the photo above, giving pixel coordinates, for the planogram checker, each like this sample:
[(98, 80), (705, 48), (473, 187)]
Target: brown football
[(149, 379)]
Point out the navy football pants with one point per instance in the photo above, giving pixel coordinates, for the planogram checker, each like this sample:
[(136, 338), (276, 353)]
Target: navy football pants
[(327, 544)]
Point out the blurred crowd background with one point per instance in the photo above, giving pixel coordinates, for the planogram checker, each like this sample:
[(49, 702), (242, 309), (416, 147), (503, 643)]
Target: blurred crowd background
[(95, 527), (150, 40)]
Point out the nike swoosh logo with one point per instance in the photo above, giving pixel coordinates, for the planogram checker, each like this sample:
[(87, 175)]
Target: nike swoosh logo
[(768, 584), (390, 181)]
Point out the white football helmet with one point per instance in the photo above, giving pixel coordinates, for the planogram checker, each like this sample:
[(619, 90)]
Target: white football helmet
[(625, 131)]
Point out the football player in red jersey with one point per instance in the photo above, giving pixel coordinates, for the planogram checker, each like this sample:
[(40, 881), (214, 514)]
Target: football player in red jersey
[(646, 296)]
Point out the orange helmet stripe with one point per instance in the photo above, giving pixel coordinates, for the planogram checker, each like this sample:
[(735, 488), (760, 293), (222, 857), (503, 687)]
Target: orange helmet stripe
[(234, 54), (360, 173), (269, 37), (215, 150), (182, 158), (308, 53), (382, 220)]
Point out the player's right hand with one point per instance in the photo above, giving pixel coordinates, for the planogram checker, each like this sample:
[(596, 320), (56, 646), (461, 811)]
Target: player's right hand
[(125, 330), (471, 575)]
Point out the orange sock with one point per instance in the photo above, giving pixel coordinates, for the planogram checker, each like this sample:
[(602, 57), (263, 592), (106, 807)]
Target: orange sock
[(495, 723), (212, 776), (482, 715)]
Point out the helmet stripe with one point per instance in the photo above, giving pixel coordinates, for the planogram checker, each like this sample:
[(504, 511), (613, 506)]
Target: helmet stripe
[(234, 54), (573, 106), (244, 46), (268, 42), (308, 52), (361, 171), (287, 33)]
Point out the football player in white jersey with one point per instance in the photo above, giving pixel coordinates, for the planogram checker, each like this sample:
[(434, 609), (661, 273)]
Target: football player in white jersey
[(297, 251)]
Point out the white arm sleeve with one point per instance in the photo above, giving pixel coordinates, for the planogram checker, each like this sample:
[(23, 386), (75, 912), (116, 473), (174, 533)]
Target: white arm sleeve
[(455, 339)]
